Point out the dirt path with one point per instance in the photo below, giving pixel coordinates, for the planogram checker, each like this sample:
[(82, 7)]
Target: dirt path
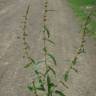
[(65, 32)]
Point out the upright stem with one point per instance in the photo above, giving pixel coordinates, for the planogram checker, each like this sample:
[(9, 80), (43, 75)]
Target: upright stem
[(44, 37), (25, 34), (82, 43)]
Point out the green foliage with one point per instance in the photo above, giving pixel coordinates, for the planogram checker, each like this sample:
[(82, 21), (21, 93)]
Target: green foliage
[(74, 61), (40, 62), (74, 69), (31, 63), (50, 41), (79, 5), (81, 9), (66, 76), (45, 49), (30, 88), (65, 85), (46, 30), (49, 85), (43, 80), (60, 93), (52, 57), (52, 70), (27, 65)]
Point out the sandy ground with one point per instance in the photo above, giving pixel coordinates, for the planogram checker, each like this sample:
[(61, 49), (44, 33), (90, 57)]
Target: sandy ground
[(65, 32)]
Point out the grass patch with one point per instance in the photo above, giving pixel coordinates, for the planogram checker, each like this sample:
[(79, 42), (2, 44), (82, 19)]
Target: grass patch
[(81, 9)]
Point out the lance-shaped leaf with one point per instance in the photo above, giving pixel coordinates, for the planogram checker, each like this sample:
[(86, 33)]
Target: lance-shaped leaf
[(36, 72), (29, 64), (83, 50), (74, 69), (64, 84), (47, 31), (74, 61), (30, 88), (66, 75), (40, 84), (34, 87), (45, 49), (59, 93), (28, 9), (33, 61), (47, 71), (50, 41), (40, 62), (41, 88), (51, 69), (52, 57), (50, 85)]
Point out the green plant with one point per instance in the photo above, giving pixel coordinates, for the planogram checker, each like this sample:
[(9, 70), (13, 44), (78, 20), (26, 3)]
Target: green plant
[(24, 38), (46, 83), (81, 49)]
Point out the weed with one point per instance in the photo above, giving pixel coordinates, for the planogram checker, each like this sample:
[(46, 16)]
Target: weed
[(81, 49), (46, 82), (43, 81), (25, 34)]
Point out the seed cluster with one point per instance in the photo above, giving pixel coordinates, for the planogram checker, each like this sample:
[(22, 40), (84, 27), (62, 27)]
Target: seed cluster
[(45, 11), (45, 18), (25, 35)]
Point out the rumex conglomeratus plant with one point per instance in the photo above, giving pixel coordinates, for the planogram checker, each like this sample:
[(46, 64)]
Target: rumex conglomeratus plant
[(81, 49), (46, 83), (25, 38)]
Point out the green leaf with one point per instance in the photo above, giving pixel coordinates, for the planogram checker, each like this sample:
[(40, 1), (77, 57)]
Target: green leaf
[(66, 75), (27, 65), (52, 85), (74, 61), (36, 72), (74, 69), (53, 58), (48, 84), (45, 49), (28, 9), (40, 62), (59, 93), (41, 84), (46, 73), (47, 31), (30, 88), (33, 61), (50, 41), (52, 70), (64, 84), (83, 50), (40, 88), (48, 80)]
